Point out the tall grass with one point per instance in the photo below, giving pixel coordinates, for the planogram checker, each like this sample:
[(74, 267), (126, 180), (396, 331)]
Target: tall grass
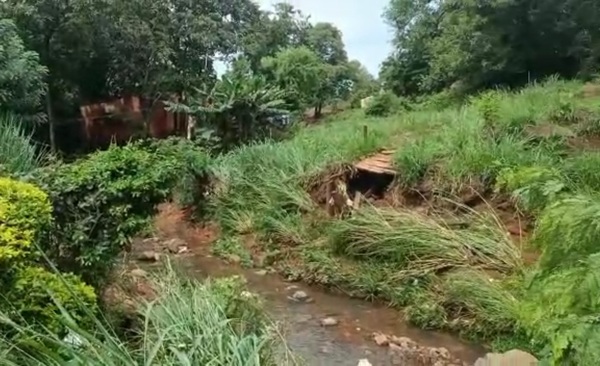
[(19, 154), (191, 323), (421, 244)]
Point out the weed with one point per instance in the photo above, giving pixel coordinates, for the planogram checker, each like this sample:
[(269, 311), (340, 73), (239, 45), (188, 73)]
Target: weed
[(232, 248), (211, 323)]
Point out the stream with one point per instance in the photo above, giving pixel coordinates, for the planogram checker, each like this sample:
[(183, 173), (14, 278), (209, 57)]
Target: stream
[(345, 343), (342, 344)]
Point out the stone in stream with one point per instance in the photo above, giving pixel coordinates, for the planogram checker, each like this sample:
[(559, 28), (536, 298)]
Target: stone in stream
[(299, 296), (381, 339), (511, 358), (329, 322), (262, 272), (364, 362)]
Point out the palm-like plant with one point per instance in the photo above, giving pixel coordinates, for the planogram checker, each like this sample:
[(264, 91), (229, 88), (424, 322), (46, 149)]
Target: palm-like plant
[(237, 109)]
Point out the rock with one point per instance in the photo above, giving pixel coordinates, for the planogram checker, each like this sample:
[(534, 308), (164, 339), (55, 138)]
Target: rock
[(404, 342), (292, 287), (235, 259), (299, 296), (364, 362), (138, 272), (329, 322), (510, 358), (149, 256), (174, 245), (262, 272), (381, 339), (183, 250)]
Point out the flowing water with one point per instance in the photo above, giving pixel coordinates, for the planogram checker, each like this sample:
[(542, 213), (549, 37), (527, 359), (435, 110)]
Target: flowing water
[(343, 344)]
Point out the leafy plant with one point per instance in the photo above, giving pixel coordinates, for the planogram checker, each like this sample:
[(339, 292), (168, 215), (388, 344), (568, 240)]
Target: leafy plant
[(101, 201), (236, 111), (28, 287), (383, 104), (533, 187)]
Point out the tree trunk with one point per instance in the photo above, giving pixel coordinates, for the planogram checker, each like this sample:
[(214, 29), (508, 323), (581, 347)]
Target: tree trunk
[(318, 110), (50, 113)]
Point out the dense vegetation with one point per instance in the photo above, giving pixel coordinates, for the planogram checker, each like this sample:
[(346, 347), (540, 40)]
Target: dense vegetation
[(471, 159), (451, 266)]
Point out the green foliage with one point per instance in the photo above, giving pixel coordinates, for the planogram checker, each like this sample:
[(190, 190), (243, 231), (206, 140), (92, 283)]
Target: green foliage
[(212, 323), (483, 44), (21, 75), (28, 288), (533, 187), (240, 108), (232, 249), (18, 152), (25, 213), (190, 164), (384, 104), (37, 295), (101, 201)]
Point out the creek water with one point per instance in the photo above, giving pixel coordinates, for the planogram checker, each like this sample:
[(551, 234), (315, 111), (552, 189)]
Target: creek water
[(343, 344)]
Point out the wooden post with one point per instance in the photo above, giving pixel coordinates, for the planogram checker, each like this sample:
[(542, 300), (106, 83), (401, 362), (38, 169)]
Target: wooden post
[(365, 132)]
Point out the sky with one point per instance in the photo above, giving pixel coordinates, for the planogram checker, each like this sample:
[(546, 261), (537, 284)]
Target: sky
[(366, 36)]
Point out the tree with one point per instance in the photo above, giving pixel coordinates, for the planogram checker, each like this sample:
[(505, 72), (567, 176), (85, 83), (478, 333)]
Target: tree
[(482, 43), (325, 40), (22, 84), (283, 28), (300, 73)]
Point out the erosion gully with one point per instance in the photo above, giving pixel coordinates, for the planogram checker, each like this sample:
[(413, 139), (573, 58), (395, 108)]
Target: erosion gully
[(343, 344)]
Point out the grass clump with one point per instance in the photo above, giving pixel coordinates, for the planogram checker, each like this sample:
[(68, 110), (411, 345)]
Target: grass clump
[(191, 323), (421, 244), (18, 152)]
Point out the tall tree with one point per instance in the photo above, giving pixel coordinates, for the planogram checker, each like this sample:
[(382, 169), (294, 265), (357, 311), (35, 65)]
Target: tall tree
[(481, 43), (22, 76)]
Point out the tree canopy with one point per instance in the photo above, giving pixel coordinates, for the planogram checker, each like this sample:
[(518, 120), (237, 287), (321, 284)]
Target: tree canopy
[(483, 43)]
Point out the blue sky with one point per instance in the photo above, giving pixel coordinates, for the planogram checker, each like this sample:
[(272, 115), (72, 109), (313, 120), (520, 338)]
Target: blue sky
[(366, 35)]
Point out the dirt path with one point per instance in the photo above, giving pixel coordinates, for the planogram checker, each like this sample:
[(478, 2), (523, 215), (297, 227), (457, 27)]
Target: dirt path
[(322, 328)]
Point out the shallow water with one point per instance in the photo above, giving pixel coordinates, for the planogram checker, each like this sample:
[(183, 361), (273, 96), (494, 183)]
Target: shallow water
[(343, 344)]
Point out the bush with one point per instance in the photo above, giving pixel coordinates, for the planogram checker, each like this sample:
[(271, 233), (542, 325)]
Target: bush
[(28, 289), (384, 104), (25, 212), (100, 202)]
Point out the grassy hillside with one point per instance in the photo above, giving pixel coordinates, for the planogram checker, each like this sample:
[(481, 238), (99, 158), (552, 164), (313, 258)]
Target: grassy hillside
[(438, 243)]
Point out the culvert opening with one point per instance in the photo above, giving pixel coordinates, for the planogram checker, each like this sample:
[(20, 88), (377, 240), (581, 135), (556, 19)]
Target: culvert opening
[(369, 184)]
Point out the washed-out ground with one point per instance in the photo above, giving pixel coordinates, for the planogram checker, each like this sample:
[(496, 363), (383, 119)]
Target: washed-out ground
[(320, 327)]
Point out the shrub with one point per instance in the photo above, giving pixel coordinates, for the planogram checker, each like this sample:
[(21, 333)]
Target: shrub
[(384, 104), (25, 212), (28, 289), (100, 202)]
